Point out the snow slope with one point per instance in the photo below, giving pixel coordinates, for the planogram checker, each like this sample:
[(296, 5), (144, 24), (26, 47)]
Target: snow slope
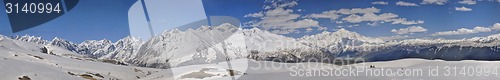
[(406, 69), (414, 65)]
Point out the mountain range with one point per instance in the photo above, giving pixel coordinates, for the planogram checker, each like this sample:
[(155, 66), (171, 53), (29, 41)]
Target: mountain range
[(225, 42)]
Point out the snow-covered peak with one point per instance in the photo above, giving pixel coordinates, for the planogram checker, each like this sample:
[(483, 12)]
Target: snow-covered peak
[(173, 44), (32, 39), (58, 39), (175, 30), (96, 48), (339, 38), (344, 31), (261, 40), (225, 26), (96, 42), (341, 33), (124, 49), (487, 39), (338, 41), (255, 29), (130, 39), (203, 28), (59, 42)]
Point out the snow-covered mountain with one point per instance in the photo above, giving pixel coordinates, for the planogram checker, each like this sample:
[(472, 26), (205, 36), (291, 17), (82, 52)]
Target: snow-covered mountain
[(96, 48), (217, 44), (124, 49), (203, 45), (92, 48), (33, 39), (220, 43), (341, 37), (339, 41), (264, 45), (59, 42), (20, 59)]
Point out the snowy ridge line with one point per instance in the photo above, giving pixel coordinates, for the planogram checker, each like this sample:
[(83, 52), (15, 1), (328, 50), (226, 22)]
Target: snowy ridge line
[(91, 48)]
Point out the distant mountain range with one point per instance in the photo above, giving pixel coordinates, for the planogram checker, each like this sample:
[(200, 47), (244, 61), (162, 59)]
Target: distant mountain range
[(225, 42)]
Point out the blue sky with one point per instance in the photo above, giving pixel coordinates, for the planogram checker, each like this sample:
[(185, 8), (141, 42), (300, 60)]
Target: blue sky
[(436, 18), (108, 19), (89, 20)]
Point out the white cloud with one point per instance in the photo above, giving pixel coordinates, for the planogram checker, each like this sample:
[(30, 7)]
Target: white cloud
[(259, 14), (353, 18), (357, 15), (409, 30), (463, 9), (496, 26), (459, 31), (373, 24), (322, 28), (275, 4), (402, 3), (482, 29), (279, 19), (469, 2), (438, 2), (404, 21), (380, 2), (335, 14), (339, 22), (358, 10), (476, 29), (284, 19), (300, 10), (332, 15), (289, 4)]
